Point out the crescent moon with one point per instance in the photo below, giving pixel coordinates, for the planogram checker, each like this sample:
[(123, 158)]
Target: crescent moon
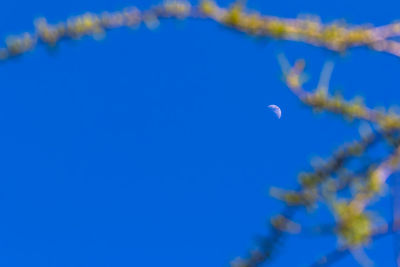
[(276, 110)]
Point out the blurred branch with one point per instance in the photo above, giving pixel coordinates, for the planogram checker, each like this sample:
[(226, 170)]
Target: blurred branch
[(343, 251), (335, 36), (295, 200), (320, 99), (396, 218)]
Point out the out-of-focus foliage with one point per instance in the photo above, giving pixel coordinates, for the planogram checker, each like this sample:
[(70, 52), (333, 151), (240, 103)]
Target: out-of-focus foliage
[(355, 224)]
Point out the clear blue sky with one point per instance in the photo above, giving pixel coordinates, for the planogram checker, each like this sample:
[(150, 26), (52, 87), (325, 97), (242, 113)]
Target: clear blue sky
[(155, 148)]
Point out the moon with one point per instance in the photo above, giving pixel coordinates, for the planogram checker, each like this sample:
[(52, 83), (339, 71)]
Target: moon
[(276, 110)]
